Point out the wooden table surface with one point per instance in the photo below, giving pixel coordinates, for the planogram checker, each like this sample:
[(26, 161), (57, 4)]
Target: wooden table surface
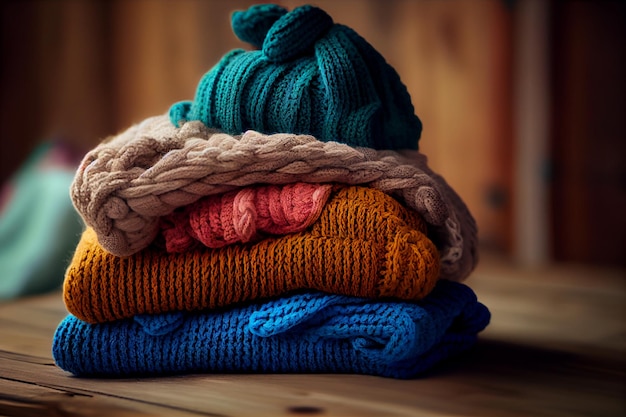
[(555, 347)]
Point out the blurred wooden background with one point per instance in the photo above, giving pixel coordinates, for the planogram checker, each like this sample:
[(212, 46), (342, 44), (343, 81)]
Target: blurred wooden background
[(522, 101)]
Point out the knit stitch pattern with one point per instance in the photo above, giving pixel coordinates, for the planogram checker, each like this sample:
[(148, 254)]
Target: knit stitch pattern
[(244, 215), (124, 185), (309, 76), (365, 243), (305, 333)]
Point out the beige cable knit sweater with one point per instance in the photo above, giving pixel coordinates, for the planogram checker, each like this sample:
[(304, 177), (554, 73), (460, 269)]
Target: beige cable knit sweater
[(125, 184)]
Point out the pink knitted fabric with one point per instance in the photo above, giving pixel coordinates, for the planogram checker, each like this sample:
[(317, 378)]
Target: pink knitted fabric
[(124, 185), (244, 215)]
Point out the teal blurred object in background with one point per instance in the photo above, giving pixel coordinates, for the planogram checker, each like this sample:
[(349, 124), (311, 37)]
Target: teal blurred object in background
[(39, 228)]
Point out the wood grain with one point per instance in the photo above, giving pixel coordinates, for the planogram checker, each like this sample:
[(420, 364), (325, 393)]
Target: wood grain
[(555, 348)]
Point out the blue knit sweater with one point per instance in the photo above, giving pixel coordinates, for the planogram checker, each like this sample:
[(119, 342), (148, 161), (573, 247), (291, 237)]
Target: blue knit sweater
[(309, 332)]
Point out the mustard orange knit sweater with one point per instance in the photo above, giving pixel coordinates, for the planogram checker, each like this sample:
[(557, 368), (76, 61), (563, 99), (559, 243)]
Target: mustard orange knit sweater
[(364, 244)]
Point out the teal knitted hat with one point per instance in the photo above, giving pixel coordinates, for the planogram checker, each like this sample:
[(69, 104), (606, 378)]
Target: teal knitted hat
[(309, 76)]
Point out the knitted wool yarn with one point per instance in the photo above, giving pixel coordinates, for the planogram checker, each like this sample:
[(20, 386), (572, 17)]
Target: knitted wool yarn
[(35, 211), (365, 243), (309, 332), (244, 215), (124, 185), (309, 76)]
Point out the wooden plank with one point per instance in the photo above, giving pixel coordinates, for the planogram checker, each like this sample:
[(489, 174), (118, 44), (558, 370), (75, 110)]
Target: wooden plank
[(27, 326), (26, 400), (532, 133), (497, 378), (555, 348), (588, 146)]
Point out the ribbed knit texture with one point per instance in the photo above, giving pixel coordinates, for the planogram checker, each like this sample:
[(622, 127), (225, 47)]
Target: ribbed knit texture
[(282, 221), (309, 76), (127, 183), (309, 332), (365, 243), (244, 215)]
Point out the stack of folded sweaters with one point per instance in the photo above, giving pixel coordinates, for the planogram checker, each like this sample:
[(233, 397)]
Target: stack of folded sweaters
[(283, 221)]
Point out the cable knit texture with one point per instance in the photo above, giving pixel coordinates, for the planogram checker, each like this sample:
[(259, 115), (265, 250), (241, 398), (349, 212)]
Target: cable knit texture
[(309, 76), (308, 332), (282, 221), (244, 215), (124, 185), (365, 243)]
